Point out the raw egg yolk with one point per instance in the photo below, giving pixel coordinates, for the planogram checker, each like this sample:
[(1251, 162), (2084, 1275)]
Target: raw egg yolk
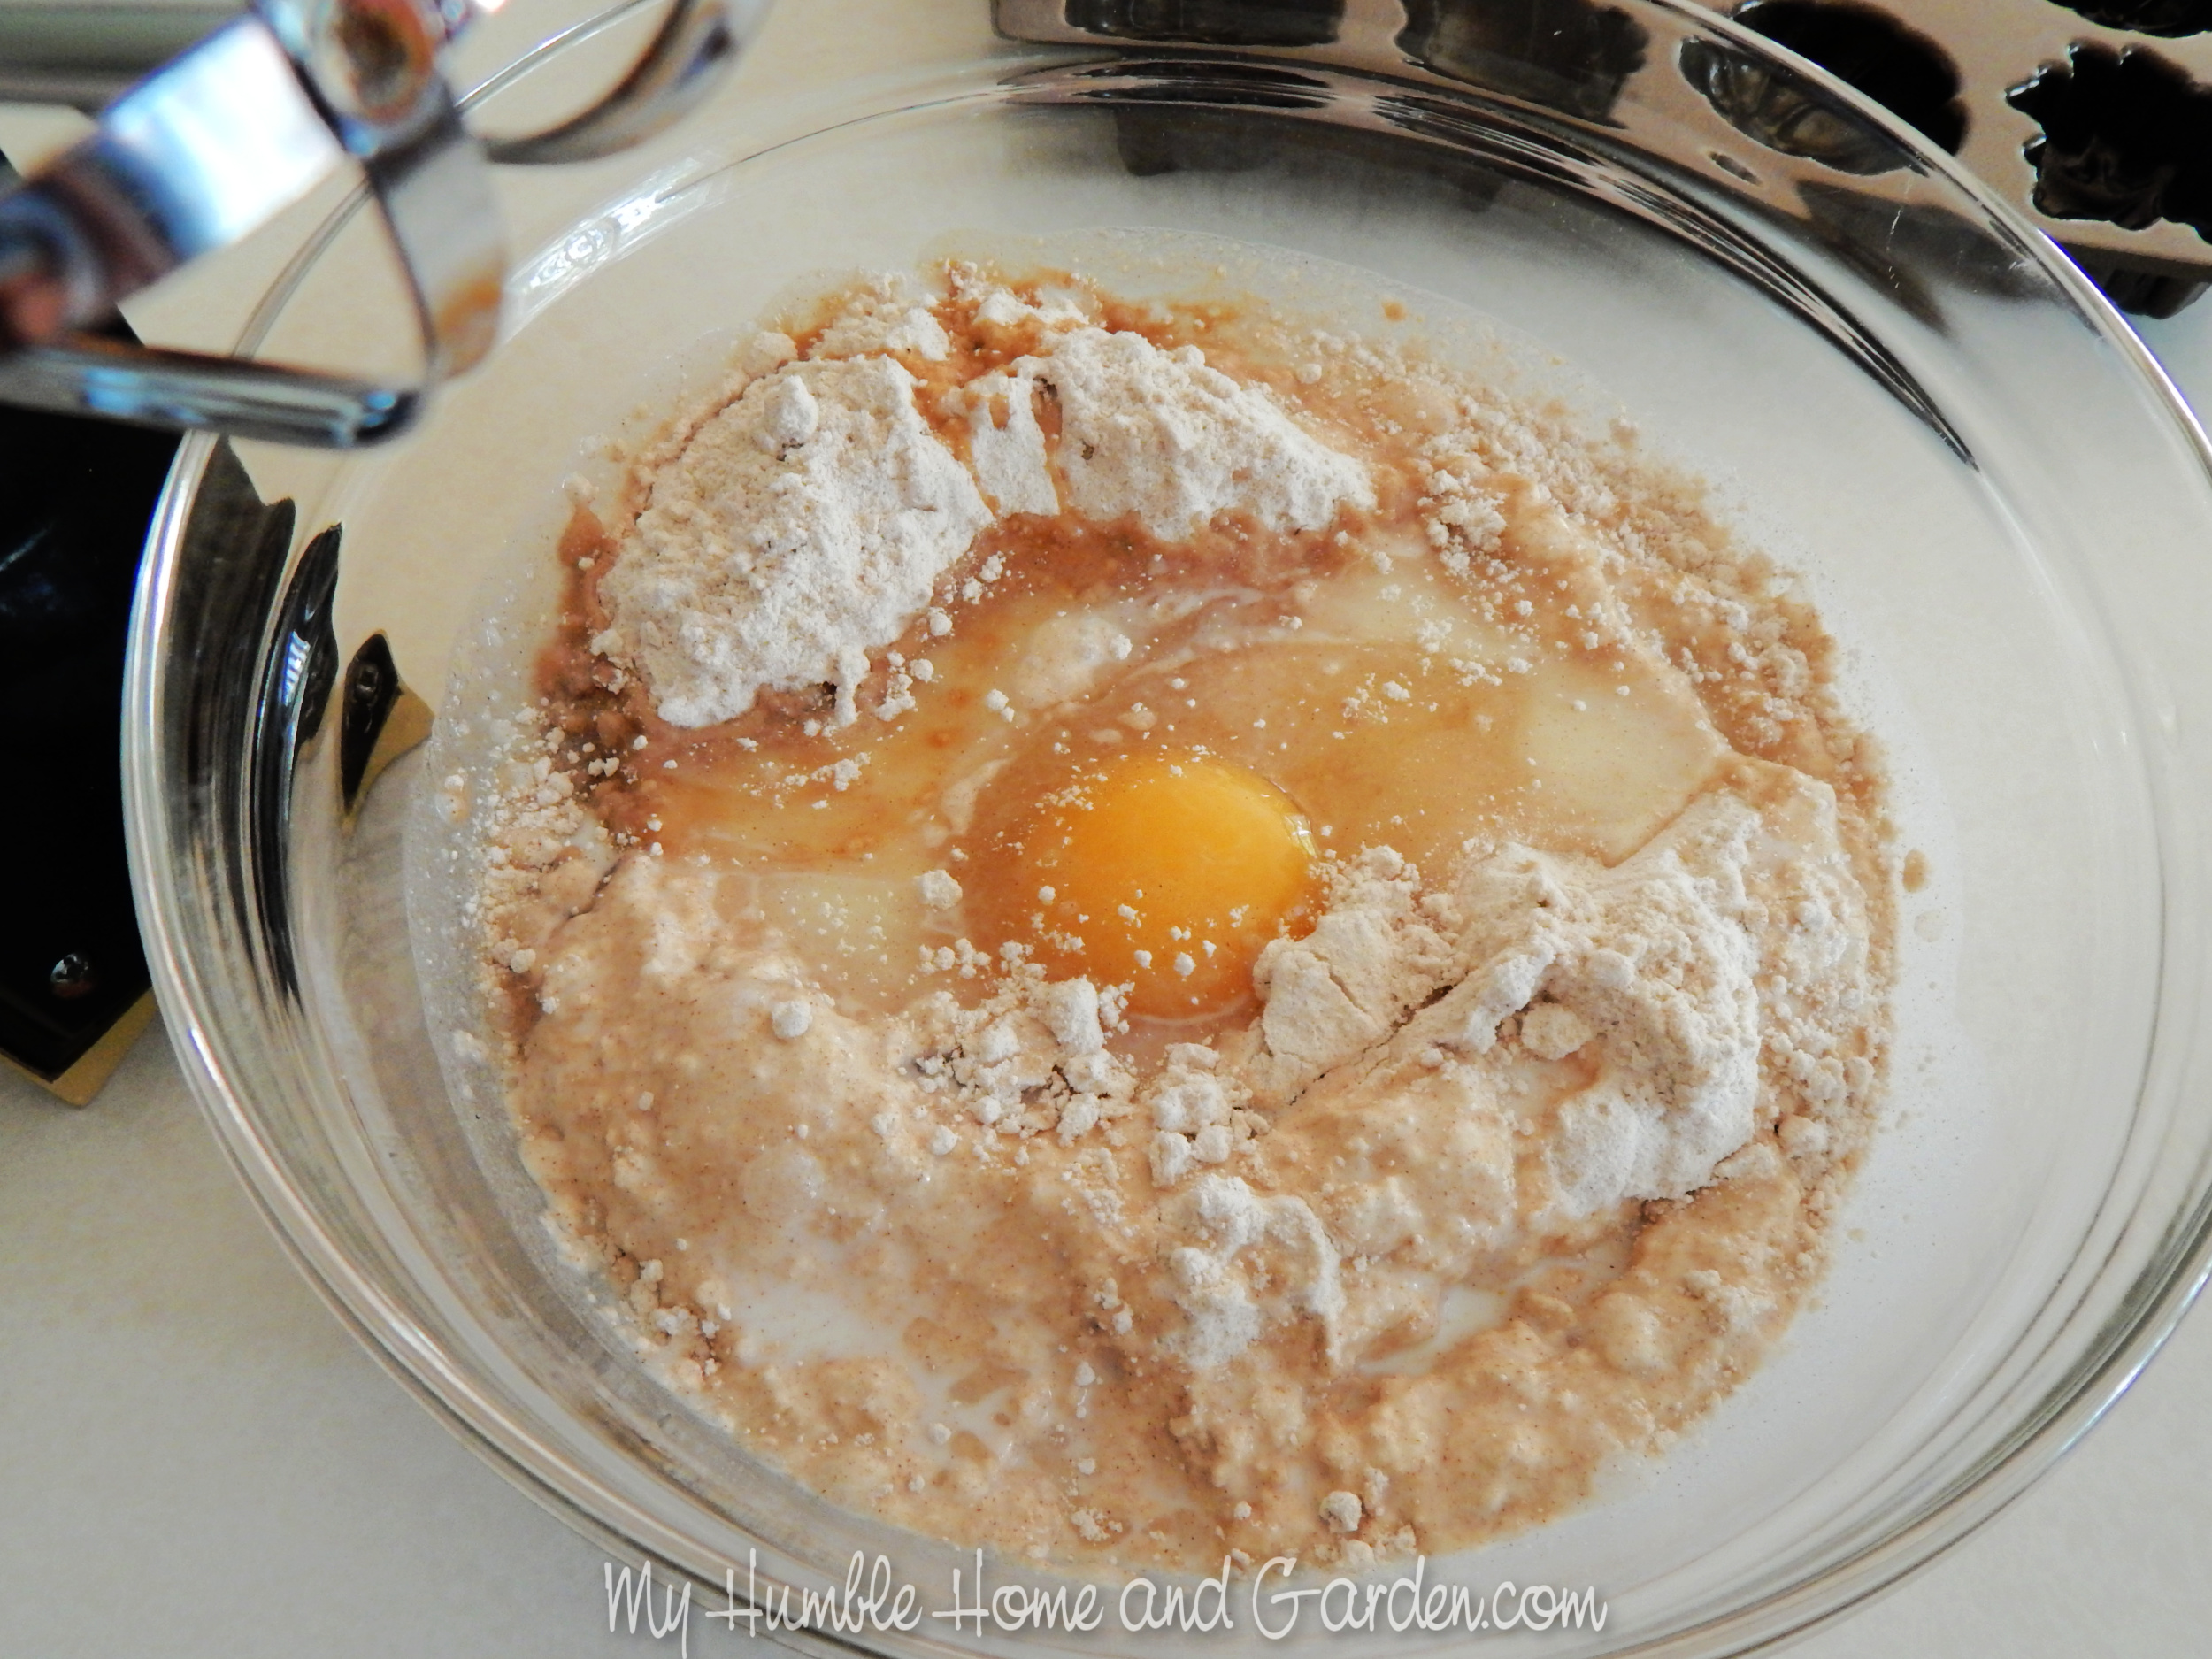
[(1170, 872)]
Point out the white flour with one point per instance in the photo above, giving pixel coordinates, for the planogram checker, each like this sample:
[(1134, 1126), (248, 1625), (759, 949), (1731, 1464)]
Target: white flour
[(1653, 965), (808, 523), (1159, 436), (804, 525), (1648, 970), (884, 316)]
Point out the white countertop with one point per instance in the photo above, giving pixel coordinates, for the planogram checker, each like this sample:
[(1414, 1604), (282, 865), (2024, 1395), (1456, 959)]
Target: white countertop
[(196, 1459)]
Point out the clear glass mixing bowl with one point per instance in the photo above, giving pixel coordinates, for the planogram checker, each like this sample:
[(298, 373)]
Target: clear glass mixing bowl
[(2000, 505)]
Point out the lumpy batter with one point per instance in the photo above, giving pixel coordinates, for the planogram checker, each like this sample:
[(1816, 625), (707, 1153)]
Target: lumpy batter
[(1138, 933)]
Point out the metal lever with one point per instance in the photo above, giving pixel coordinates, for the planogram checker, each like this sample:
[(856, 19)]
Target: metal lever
[(216, 142)]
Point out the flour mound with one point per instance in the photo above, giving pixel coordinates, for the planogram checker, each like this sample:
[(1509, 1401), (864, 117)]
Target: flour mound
[(803, 525), (808, 523), (884, 316), (1648, 971), (1160, 436), (1341, 989), (1651, 967), (1259, 1262), (1007, 445)]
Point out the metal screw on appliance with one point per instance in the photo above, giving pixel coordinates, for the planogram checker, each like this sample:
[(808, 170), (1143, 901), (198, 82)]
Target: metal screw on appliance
[(72, 977)]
